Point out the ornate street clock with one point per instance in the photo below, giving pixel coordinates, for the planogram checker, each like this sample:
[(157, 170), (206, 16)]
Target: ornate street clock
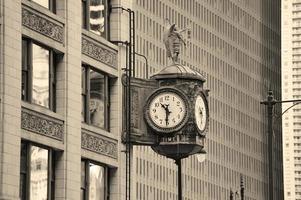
[(177, 112), (175, 107), (166, 110)]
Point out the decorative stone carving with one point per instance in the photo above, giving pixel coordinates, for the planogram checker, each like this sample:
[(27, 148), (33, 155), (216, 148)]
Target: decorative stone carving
[(42, 25), (41, 124), (99, 53), (99, 144)]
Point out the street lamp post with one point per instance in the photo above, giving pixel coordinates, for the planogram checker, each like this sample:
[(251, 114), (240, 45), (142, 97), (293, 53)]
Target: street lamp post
[(270, 102)]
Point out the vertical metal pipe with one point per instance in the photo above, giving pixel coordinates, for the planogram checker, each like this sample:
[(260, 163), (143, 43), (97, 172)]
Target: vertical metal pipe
[(133, 42), (129, 101), (270, 143), (126, 121), (178, 162)]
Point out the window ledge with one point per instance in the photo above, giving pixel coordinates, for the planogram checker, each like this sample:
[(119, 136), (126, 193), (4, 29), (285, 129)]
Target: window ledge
[(44, 11), (42, 110), (99, 39), (98, 131)]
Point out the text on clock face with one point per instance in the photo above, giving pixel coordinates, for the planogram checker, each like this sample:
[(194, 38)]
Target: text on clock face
[(167, 110)]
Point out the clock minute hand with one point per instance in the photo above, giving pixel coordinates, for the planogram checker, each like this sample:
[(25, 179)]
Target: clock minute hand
[(167, 112)]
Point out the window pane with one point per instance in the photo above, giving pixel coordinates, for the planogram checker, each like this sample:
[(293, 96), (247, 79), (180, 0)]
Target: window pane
[(44, 3), (38, 173), (83, 180), (23, 170), (23, 164), (83, 174), (22, 186), (24, 54), (83, 94), (96, 103), (83, 108), (97, 20), (40, 76), (97, 182), (24, 70), (84, 14)]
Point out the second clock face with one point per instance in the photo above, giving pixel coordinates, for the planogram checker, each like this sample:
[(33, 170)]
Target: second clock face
[(201, 114), (167, 110)]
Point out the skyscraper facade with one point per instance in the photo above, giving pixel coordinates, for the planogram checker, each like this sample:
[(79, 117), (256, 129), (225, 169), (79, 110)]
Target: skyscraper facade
[(291, 27), (236, 45)]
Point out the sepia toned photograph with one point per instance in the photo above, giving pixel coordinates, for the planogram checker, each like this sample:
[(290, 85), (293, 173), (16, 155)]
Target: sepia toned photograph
[(150, 99)]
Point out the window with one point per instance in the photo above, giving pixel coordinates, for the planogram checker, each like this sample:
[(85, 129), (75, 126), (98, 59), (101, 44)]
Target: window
[(94, 181), (38, 74), (36, 172), (49, 4), (95, 16), (95, 97)]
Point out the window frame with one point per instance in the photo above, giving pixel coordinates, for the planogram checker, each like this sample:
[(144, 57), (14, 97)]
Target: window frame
[(51, 5), (27, 71), (87, 98), (27, 172), (86, 17), (87, 162)]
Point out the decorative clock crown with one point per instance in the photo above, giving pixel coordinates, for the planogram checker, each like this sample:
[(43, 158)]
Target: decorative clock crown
[(177, 71)]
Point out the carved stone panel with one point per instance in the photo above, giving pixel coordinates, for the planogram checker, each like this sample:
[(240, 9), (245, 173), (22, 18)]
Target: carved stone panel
[(99, 53), (99, 144), (42, 124), (42, 25)]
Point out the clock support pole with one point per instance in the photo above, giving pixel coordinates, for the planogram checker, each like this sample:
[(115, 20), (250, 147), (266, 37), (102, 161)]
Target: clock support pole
[(178, 162)]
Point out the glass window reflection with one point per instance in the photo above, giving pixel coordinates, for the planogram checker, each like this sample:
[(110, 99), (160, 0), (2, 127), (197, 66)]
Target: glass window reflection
[(40, 76), (38, 173), (23, 171), (97, 19), (96, 102), (97, 182), (44, 3)]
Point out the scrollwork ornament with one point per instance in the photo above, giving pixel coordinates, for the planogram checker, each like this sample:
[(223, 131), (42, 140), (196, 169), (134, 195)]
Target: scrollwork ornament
[(42, 25), (36, 123), (99, 53), (99, 145)]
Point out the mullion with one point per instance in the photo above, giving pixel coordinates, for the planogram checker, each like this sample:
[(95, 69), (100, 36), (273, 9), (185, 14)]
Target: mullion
[(49, 174), (106, 102), (51, 81), (28, 170), (88, 95), (106, 182), (30, 71), (107, 18), (87, 170)]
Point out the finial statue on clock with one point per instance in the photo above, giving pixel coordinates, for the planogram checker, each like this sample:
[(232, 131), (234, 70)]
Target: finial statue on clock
[(177, 112)]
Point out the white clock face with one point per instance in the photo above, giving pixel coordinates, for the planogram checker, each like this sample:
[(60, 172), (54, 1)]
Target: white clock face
[(167, 110), (200, 113)]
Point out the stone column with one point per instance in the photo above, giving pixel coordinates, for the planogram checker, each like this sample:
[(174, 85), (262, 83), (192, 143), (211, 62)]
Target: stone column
[(10, 98), (68, 169)]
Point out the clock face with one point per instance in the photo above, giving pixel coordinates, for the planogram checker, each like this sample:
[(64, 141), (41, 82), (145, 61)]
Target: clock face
[(167, 110), (201, 115)]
